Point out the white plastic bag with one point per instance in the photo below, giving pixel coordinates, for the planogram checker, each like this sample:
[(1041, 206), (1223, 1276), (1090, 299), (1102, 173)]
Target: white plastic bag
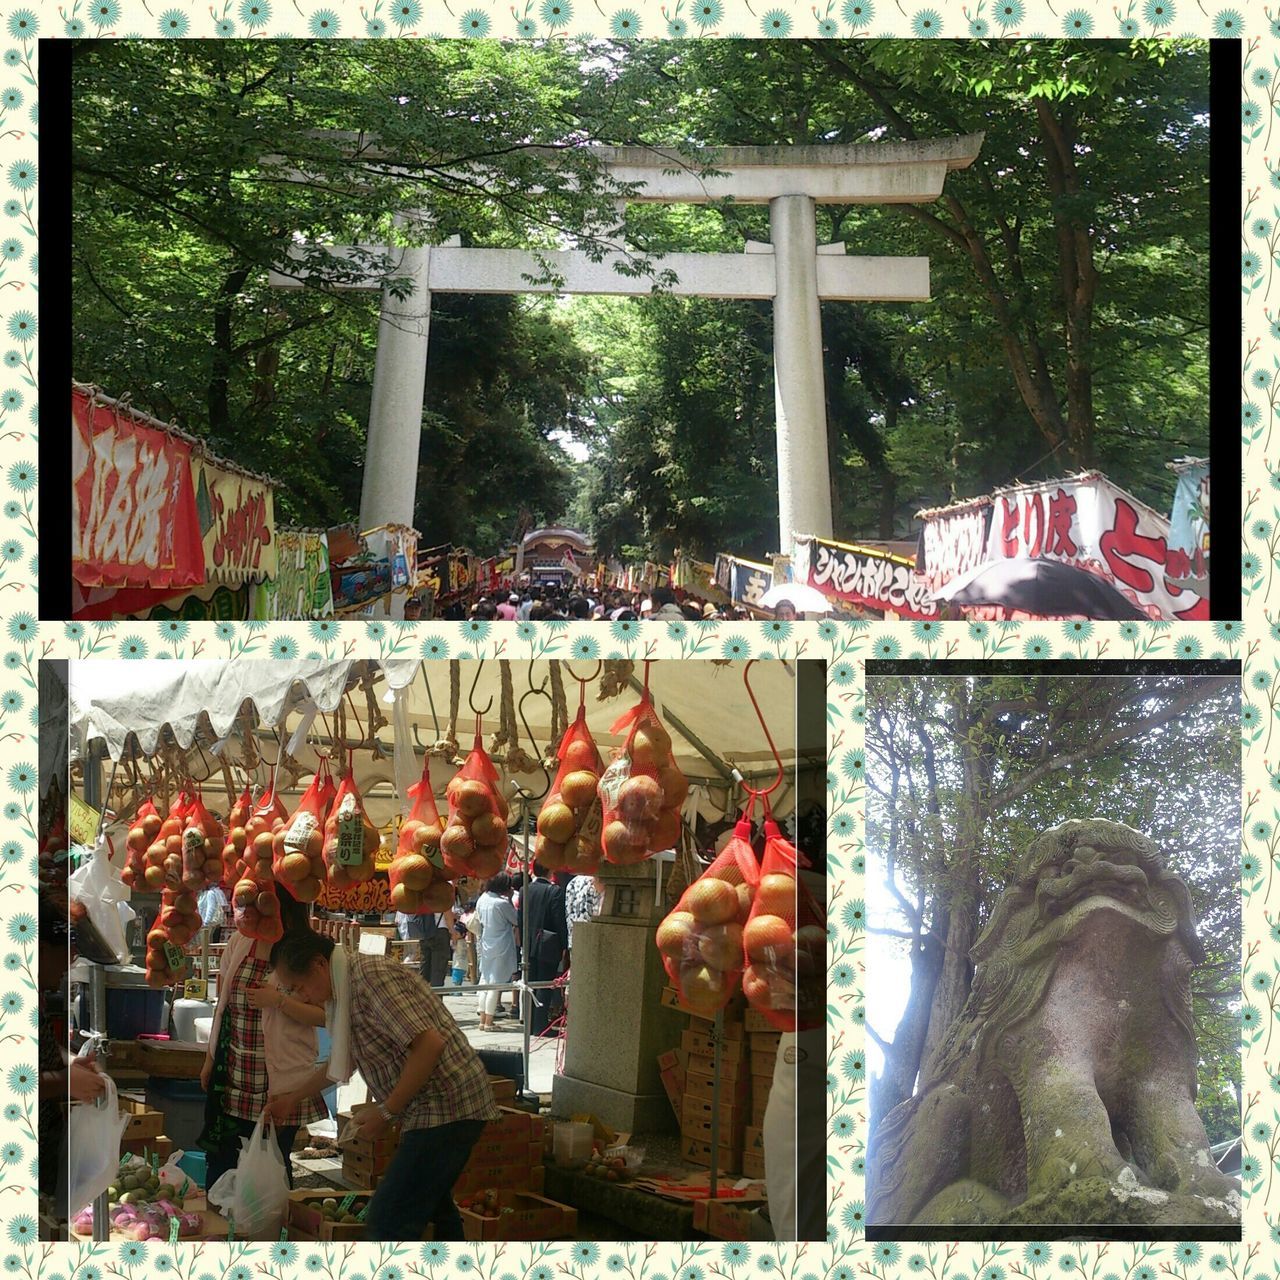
[(97, 887), (255, 1194), (93, 1140)]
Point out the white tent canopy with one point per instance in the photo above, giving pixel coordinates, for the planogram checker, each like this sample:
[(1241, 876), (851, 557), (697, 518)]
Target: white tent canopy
[(705, 706)]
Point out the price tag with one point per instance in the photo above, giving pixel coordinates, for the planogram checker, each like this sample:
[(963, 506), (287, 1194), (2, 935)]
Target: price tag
[(612, 779), (284, 1233), (124, 1159), (195, 989), (186, 1182), (592, 825), (155, 1162), (347, 1202), (350, 843), (360, 1217), (174, 1225), (174, 956)]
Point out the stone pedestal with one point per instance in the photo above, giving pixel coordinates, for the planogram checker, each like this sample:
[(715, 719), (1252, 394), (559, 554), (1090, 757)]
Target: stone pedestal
[(617, 1023)]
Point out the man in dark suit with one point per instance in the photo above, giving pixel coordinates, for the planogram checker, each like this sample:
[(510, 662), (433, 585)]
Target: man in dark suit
[(548, 941)]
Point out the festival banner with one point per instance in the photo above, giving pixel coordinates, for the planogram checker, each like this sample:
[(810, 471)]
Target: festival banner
[(1189, 520), (750, 581), (237, 524), (302, 588), (953, 540), (863, 576), (133, 511), (1097, 526)]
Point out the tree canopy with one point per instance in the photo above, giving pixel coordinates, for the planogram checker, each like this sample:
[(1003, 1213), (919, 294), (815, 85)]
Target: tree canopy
[(963, 772), (1069, 269)]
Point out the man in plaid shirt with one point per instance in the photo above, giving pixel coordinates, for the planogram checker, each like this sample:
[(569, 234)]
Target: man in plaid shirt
[(419, 1068)]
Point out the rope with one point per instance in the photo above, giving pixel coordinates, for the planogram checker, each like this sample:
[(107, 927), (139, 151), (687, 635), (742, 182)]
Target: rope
[(614, 680), (559, 713)]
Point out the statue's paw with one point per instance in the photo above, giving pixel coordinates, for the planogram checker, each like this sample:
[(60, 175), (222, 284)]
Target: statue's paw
[(1193, 1173)]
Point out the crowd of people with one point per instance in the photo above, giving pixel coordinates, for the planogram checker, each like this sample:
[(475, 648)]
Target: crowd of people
[(555, 603)]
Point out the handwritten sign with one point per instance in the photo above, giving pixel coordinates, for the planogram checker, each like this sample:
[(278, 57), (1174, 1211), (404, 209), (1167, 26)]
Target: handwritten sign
[(133, 513), (865, 577), (953, 543), (237, 524)]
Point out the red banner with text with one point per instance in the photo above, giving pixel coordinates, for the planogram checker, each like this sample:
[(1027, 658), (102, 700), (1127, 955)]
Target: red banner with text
[(133, 511)]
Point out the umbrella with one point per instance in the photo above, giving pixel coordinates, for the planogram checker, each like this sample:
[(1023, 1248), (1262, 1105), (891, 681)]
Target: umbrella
[(1040, 585), (805, 599)]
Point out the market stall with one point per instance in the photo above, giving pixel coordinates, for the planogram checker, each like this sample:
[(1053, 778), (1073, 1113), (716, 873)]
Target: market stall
[(235, 773)]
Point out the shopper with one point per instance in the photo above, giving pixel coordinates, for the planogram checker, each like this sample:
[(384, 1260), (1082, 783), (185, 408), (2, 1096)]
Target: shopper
[(433, 932), (459, 968), (665, 608), (548, 944), (213, 904), (583, 899), (247, 1049), (391, 1027), (471, 918), (499, 943)]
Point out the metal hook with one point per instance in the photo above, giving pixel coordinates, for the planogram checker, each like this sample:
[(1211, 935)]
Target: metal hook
[(271, 764), (535, 693), (777, 782), (431, 702), (582, 680), (542, 688), (471, 693)]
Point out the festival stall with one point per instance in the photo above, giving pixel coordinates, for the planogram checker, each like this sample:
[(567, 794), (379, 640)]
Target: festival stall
[(642, 774)]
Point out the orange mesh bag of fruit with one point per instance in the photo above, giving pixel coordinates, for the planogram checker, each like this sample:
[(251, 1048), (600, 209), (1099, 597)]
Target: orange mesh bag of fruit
[(570, 822), (162, 860), (417, 873), (701, 940), (254, 901), (202, 840), (237, 836), (642, 790), (268, 816), (142, 835), (474, 842), (297, 848), (176, 923), (784, 941), (351, 841)]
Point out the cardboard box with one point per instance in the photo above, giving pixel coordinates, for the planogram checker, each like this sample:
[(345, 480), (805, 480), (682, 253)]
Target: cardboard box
[(697, 1110), (752, 1164), (763, 1041), (695, 1151), (763, 1062), (515, 1177), (753, 1140), (761, 1086), (143, 1122), (522, 1215), (700, 1044), (724, 1219), (504, 1090), (362, 1172), (756, 1022), (702, 1086), (730, 1068), (303, 1219), (730, 1136), (160, 1146)]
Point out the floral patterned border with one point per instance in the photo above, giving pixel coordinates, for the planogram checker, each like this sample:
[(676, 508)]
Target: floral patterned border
[(846, 646)]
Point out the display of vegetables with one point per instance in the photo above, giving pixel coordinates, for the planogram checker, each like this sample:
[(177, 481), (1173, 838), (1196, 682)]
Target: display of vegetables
[(642, 791), (142, 1207), (176, 923), (474, 842), (570, 824), (298, 847), (418, 880), (351, 841), (701, 940)]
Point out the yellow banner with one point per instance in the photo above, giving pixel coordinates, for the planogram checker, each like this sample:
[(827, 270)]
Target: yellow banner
[(237, 524)]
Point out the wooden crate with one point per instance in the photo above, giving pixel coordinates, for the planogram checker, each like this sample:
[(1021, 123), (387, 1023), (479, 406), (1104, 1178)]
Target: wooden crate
[(764, 1041), (304, 1221), (725, 1220), (159, 1146)]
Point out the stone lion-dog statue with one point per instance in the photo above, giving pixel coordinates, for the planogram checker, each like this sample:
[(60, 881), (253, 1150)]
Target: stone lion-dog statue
[(1064, 1091)]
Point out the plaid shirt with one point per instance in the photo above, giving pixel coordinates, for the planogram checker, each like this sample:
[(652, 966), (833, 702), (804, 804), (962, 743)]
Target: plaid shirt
[(247, 1085), (390, 1007)]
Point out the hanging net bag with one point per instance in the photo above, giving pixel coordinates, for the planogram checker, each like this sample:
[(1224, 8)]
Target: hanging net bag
[(351, 841), (419, 883), (297, 849), (474, 842), (571, 820)]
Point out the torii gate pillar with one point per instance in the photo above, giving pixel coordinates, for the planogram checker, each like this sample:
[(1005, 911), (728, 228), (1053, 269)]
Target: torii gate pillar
[(804, 477)]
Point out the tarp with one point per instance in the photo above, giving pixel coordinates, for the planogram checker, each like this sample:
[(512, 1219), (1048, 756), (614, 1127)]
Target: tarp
[(862, 576), (111, 699), (133, 512)]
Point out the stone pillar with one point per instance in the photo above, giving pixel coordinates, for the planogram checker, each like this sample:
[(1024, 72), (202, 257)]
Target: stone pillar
[(617, 1023), (804, 472), (395, 410)]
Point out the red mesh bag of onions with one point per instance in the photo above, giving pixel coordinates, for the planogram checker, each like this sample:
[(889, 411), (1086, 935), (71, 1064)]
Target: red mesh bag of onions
[(570, 822)]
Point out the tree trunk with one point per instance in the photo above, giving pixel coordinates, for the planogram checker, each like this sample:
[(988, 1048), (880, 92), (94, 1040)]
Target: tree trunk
[(888, 481), (902, 1058), (223, 357)]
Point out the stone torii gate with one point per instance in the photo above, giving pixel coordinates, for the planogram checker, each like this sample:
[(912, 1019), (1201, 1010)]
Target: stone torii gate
[(792, 269)]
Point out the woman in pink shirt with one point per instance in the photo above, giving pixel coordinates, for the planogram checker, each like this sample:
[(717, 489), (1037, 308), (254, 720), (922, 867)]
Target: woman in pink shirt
[(260, 1042)]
